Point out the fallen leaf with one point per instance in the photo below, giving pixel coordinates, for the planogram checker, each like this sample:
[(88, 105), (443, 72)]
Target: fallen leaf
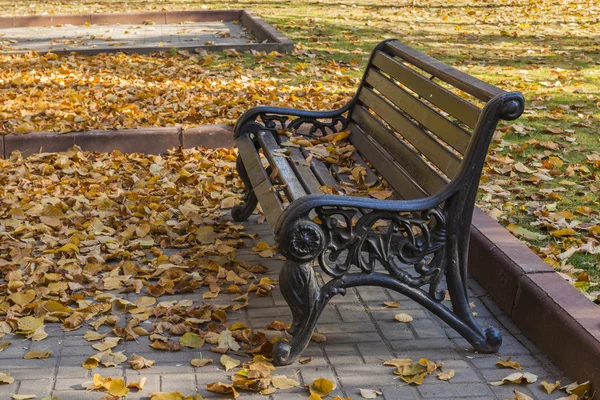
[(509, 364), (446, 376), (37, 354), (321, 387), (517, 377), (200, 362), (139, 362), (403, 318), (192, 340), (392, 304), (6, 379), (369, 393), (550, 387), (283, 382), (229, 363)]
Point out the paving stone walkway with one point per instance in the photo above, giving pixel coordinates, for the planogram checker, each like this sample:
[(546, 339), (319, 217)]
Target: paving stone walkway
[(361, 335), (123, 36)]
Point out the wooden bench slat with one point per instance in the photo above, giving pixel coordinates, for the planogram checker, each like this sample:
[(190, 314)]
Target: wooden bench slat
[(435, 152), (463, 81), (398, 178), (452, 134), (422, 172), (304, 172), (324, 175), (264, 190), (454, 105), (269, 202), (293, 188)]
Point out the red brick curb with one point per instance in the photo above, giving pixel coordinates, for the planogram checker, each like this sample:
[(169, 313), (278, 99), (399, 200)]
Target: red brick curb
[(269, 38), (143, 140), (551, 312)]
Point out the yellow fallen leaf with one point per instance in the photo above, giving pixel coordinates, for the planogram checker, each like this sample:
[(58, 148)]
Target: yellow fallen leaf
[(550, 387), (403, 318), (578, 389), (6, 379), (200, 362), (191, 340), (446, 376), (24, 396), (369, 393), (166, 396), (564, 232), (117, 388), (517, 377), (229, 363), (224, 388), (521, 396), (398, 362), (22, 298), (37, 354), (139, 362), (318, 337), (392, 304), (321, 387), (509, 364), (283, 382), (139, 385)]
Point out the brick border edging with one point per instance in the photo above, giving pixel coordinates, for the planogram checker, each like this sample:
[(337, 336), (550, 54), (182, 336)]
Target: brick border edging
[(143, 140), (551, 312), (270, 39)]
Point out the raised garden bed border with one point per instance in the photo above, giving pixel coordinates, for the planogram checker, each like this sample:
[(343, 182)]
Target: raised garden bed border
[(269, 38)]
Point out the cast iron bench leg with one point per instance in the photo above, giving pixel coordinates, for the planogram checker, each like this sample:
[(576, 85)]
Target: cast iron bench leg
[(242, 212)]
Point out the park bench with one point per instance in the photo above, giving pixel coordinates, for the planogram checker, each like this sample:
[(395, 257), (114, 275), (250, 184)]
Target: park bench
[(417, 127)]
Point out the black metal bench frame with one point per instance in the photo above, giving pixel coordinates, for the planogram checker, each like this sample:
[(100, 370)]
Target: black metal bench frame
[(428, 142)]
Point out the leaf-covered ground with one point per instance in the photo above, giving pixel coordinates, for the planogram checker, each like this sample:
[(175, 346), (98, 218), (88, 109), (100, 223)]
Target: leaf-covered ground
[(542, 179)]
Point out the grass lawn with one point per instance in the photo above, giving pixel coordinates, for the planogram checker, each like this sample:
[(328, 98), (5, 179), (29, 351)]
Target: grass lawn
[(542, 180)]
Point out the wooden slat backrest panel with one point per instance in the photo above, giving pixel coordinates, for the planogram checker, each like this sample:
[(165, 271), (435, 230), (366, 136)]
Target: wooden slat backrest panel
[(421, 112)]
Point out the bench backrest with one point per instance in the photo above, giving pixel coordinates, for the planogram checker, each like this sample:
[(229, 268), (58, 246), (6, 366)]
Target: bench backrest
[(414, 118)]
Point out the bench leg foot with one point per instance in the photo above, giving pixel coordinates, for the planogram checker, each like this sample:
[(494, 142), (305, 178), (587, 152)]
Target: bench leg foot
[(242, 212), (301, 291)]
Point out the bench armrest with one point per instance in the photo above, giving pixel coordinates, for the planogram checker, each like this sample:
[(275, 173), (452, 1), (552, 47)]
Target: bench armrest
[(269, 116), (302, 207)]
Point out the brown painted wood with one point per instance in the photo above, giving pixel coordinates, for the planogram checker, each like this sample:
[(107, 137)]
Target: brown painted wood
[(465, 82), (391, 171), (293, 188), (450, 133), (418, 168), (435, 152), (441, 97)]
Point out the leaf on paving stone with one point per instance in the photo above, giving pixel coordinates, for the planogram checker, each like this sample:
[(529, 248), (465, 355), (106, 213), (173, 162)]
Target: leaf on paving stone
[(398, 362), (403, 318), (139, 362), (29, 324), (166, 396), (305, 360), (318, 337), (224, 388), (578, 389), (24, 396), (109, 359), (314, 397), (92, 336), (107, 344), (192, 340), (38, 334), (226, 341), (369, 393), (509, 364), (139, 385), (321, 387), (4, 345), (550, 387), (229, 363), (392, 304), (446, 375), (517, 377), (6, 379), (278, 326), (90, 363), (521, 396), (37, 354), (117, 388), (200, 362), (283, 382)]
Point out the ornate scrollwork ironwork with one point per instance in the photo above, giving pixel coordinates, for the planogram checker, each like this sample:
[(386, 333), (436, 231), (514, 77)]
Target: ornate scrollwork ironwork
[(304, 241), (389, 239), (319, 127)]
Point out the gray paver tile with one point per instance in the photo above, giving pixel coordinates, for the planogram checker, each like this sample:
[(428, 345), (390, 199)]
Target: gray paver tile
[(185, 384), (447, 389)]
